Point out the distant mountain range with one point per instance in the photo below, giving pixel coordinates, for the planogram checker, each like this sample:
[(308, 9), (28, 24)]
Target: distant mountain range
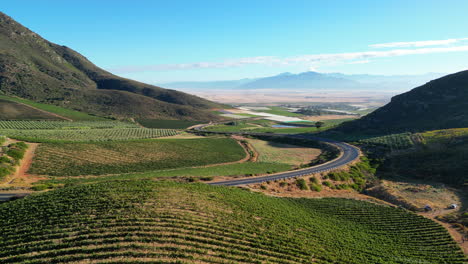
[(315, 81), (34, 68)]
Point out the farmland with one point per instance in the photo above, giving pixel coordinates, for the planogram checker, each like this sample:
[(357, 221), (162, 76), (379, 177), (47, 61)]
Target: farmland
[(67, 113), (27, 124), (392, 142), (166, 222), (84, 135), (173, 124), (10, 110), (266, 127), (74, 159), (283, 153), (245, 169)]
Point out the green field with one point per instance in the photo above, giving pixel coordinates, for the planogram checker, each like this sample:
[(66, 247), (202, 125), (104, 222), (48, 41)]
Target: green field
[(174, 124), (67, 113), (86, 135), (166, 222), (28, 124), (265, 127), (245, 169), (276, 110), (73, 159)]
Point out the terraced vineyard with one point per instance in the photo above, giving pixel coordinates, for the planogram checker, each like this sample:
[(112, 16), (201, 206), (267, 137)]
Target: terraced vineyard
[(26, 124), (74, 159), (166, 222), (83, 135), (393, 141)]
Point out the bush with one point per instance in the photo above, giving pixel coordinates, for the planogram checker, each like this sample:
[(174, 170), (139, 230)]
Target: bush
[(16, 154), (313, 179), (301, 183), (315, 187), (207, 178), (283, 184), (327, 183), (342, 186), (41, 187)]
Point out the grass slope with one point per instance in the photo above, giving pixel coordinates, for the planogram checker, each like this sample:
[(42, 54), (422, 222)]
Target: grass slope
[(72, 159), (14, 111), (67, 113), (164, 222)]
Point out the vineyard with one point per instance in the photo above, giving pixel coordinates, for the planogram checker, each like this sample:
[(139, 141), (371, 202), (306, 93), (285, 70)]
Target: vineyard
[(83, 135), (167, 222), (24, 124), (393, 141), (73, 159)]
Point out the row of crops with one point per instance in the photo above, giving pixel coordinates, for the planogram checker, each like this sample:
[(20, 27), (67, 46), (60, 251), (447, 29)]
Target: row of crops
[(83, 135), (167, 222), (26, 124), (393, 141)]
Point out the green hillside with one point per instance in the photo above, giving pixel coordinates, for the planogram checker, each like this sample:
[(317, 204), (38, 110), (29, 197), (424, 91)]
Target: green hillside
[(164, 222), (439, 104), (439, 156), (434, 156), (14, 111), (35, 69)]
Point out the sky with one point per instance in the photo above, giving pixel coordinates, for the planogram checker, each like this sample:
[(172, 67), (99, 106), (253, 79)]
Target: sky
[(164, 41)]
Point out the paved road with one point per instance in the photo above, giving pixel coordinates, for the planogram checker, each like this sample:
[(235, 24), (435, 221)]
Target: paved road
[(349, 154)]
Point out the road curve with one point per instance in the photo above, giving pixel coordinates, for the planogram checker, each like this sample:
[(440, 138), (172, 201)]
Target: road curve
[(348, 154)]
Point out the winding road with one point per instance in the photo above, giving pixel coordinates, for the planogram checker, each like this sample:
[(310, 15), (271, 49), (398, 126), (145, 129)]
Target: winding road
[(348, 154)]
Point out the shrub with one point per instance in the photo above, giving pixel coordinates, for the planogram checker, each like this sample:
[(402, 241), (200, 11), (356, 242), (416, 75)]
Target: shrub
[(301, 183), (315, 187), (40, 187), (263, 187), (313, 179), (207, 178), (327, 183), (283, 184)]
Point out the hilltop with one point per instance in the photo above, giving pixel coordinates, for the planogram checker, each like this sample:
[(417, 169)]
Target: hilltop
[(36, 69), (167, 222), (439, 104)]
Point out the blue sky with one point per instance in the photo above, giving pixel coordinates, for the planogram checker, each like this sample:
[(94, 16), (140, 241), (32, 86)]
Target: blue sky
[(163, 41)]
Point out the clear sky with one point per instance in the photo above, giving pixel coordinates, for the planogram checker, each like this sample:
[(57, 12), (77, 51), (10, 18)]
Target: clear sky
[(161, 41)]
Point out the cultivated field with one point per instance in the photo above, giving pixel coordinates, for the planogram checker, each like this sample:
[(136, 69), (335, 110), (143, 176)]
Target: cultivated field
[(173, 124), (164, 222), (60, 111), (283, 153), (84, 135), (28, 124), (73, 159), (10, 110)]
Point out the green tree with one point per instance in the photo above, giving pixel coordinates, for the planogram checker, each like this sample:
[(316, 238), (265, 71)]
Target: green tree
[(319, 124)]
